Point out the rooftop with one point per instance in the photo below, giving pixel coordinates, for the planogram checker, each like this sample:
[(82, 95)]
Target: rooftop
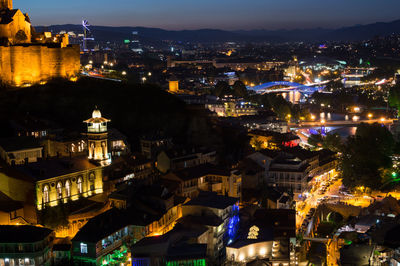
[(101, 226), (45, 169), (19, 143), (212, 200), (207, 220), (8, 205), (22, 233), (200, 171)]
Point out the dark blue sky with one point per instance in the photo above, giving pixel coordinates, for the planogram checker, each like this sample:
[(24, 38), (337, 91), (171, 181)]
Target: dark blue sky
[(224, 14)]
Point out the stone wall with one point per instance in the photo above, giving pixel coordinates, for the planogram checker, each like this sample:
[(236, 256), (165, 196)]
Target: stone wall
[(26, 65)]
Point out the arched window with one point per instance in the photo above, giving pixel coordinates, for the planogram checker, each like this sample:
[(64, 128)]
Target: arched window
[(67, 188), (46, 194), (59, 190), (80, 188)]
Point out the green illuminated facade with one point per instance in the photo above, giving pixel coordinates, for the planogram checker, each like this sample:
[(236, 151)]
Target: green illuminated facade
[(194, 262)]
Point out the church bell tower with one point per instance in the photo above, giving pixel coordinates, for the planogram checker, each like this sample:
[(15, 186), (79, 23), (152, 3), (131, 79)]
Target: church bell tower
[(6, 4), (97, 135)]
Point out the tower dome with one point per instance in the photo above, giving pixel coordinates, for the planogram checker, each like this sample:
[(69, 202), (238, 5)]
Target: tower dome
[(96, 113)]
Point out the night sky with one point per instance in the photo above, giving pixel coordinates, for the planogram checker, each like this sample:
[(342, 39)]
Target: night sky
[(222, 14)]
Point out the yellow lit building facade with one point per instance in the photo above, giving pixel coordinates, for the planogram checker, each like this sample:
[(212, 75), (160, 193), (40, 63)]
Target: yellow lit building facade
[(173, 86), (81, 183)]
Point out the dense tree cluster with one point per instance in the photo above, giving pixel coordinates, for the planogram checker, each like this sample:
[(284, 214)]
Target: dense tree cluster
[(366, 156), (223, 89), (394, 97), (331, 142)]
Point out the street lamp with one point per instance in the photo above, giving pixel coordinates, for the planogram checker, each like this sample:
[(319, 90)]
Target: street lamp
[(143, 79), (370, 115), (322, 125)]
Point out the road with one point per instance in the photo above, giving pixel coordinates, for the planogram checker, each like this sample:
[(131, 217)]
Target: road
[(333, 123), (314, 198), (333, 195)]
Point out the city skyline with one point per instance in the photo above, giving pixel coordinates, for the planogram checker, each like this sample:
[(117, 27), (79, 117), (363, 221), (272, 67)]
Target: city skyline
[(233, 15)]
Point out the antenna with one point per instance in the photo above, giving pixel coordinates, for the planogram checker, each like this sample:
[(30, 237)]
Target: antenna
[(86, 31)]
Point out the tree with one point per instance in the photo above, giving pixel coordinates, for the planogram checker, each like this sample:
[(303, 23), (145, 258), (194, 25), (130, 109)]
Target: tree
[(365, 155), (279, 105), (332, 142), (256, 143), (222, 88), (394, 97), (315, 140), (239, 89), (54, 217)]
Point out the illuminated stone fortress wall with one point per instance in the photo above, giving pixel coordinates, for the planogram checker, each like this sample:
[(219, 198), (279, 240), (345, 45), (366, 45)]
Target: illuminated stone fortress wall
[(27, 57)]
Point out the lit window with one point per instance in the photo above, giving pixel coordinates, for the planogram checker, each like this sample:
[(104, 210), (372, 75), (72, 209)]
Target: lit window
[(46, 194), (67, 188), (79, 185), (59, 190), (84, 248)]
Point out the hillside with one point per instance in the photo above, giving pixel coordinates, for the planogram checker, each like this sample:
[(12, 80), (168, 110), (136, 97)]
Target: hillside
[(354, 33)]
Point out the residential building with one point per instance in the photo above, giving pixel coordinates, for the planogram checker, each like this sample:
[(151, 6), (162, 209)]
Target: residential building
[(129, 169), (219, 214), (20, 150), (14, 212), (61, 251), (25, 245), (178, 158), (152, 200), (151, 146), (179, 246), (140, 212), (96, 241), (206, 177)]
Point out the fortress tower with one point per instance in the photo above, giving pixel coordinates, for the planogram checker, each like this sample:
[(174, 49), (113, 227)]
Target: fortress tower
[(6, 4)]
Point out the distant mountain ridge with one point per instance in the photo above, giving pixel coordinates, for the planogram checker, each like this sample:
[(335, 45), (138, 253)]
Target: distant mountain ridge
[(353, 33)]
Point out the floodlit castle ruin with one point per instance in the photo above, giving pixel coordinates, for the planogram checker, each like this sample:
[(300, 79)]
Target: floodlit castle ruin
[(28, 57)]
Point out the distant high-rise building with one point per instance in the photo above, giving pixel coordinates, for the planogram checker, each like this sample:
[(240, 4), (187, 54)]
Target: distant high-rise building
[(135, 43)]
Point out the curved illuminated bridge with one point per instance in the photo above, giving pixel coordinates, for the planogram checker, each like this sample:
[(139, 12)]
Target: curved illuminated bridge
[(289, 86)]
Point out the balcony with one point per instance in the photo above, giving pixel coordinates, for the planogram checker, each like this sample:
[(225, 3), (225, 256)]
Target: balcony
[(116, 244)]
